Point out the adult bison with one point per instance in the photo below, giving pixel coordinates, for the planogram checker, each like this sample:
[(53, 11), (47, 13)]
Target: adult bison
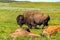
[(33, 19)]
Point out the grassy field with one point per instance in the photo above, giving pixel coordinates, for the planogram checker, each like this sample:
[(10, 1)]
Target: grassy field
[(8, 20), (30, 4)]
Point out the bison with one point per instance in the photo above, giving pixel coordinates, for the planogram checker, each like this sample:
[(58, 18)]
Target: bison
[(33, 19), (51, 30), (23, 33)]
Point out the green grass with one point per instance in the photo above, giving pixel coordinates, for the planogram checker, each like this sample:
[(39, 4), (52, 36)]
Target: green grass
[(31, 4), (8, 22)]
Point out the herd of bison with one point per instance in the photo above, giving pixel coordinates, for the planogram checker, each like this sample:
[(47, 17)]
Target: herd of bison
[(32, 19)]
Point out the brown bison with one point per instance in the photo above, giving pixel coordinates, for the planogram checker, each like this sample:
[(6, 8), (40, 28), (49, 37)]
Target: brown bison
[(33, 19)]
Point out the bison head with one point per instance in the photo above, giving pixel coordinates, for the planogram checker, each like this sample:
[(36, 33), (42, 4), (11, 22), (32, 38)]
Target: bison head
[(20, 20)]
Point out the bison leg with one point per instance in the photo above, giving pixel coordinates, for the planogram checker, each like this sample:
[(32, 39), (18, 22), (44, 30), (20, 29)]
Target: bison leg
[(20, 26), (36, 27), (45, 24), (29, 26)]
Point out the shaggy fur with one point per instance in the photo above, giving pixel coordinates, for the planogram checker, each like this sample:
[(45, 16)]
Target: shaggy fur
[(20, 20), (22, 33), (51, 30), (33, 19)]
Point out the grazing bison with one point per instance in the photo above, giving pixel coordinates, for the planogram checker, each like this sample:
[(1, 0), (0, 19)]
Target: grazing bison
[(33, 19)]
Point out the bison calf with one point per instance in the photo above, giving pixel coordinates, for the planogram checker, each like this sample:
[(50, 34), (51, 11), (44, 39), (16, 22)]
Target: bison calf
[(23, 33), (51, 30)]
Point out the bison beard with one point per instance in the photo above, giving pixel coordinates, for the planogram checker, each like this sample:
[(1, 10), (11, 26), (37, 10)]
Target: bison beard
[(33, 19)]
